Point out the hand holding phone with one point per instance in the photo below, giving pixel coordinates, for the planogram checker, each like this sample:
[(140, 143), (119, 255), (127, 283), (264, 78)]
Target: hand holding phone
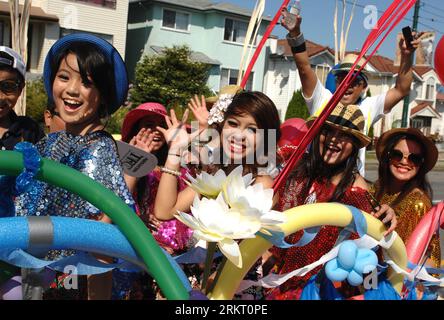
[(408, 36)]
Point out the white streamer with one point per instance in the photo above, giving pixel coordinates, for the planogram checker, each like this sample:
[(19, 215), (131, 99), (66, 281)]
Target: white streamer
[(275, 280)]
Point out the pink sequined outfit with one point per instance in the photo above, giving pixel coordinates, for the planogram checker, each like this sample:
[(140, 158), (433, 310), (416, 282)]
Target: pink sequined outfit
[(171, 234), (298, 257)]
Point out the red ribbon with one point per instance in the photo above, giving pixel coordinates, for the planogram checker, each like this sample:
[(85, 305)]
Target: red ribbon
[(391, 17)]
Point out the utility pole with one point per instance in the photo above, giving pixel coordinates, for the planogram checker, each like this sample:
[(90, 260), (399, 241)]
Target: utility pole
[(405, 109)]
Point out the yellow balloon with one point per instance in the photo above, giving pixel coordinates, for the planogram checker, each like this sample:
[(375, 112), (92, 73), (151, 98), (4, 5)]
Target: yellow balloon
[(298, 218)]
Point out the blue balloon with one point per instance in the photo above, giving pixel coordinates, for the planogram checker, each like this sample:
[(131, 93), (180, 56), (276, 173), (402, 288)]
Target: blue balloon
[(348, 252), (354, 278), (351, 264), (366, 261), (334, 272)]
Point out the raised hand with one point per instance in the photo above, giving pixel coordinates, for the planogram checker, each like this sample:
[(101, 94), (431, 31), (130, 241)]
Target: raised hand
[(291, 22), (176, 135), (407, 50), (199, 108), (143, 140)]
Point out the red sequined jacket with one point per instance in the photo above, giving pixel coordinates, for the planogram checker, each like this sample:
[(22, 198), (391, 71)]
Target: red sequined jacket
[(297, 257)]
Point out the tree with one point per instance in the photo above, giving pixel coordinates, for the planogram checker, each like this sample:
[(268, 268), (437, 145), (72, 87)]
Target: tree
[(170, 78), (297, 108), (36, 99)]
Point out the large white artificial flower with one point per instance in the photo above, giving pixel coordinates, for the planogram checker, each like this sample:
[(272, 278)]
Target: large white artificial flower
[(211, 185), (252, 200), (213, 221)]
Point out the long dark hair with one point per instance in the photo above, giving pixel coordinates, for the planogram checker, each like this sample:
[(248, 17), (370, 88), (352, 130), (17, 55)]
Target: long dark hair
[(419, 181), (266, 116), (312, 168), (94, 64)]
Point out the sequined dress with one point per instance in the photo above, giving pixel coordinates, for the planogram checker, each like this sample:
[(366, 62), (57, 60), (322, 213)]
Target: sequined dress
[(172, 235), (95, 155), (409, 212), (293, 258)]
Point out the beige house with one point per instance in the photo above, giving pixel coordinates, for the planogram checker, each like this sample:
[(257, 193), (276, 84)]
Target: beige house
[(51, 19)]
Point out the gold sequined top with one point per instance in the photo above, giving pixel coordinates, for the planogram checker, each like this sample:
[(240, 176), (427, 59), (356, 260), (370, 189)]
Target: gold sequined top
[(409, 212)]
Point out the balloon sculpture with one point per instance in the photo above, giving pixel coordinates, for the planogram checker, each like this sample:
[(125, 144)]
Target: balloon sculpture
[(11, 163)]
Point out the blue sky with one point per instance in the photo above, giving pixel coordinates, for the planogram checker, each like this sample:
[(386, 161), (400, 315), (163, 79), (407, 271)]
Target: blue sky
[(318, 15)]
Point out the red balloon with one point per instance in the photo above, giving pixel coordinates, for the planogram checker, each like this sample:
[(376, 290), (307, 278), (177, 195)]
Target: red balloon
[(292, 132), (439, 60)]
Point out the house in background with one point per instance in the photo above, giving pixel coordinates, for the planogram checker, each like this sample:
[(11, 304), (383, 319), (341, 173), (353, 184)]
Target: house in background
[(215, 33), (438, 123), (282, 80), (52, 19)]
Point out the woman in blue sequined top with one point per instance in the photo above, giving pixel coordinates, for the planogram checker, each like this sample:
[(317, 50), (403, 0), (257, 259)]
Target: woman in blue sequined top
[(85, 78)]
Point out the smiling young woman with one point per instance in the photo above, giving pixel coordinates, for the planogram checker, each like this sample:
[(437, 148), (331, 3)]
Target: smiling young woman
[(405, 157)]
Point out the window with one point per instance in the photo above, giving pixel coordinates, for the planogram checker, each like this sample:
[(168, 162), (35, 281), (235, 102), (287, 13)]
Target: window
[(235, 30), (102, 3), (175, 20), (229, 76), (430, 89), (107, 37)]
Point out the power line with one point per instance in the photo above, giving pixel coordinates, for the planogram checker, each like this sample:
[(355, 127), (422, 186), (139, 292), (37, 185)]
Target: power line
[(433, 13), (433, 7), (405, 18)]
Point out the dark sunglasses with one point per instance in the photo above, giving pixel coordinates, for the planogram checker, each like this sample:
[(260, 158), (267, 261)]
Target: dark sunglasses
[(413, 158), (357, 82), (10, 86)]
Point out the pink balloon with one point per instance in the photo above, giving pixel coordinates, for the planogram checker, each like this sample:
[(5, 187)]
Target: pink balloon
[(420, 238), (292, 132), (439, 60)]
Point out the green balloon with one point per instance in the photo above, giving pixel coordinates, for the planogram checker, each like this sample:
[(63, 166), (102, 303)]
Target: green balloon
[(57, 174)]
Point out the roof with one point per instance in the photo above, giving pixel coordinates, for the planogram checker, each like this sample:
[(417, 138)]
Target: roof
[(425, 106), (440, 96), (207, 5), (195, 56), (312, 48), (36, 13), (422, 70)]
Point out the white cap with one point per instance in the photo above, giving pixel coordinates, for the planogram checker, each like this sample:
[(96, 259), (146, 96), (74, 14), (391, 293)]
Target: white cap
[(16, 61)]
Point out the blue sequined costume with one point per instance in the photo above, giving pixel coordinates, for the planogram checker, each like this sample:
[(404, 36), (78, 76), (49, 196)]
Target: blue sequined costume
[(95, 155)]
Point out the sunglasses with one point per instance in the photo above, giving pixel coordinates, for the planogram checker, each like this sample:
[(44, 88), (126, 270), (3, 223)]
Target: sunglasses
[(357, 82), (413, 158), (10, 86)]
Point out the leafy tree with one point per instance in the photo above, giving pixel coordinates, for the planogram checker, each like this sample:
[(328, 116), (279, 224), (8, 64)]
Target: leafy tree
[(115, 122), (36, 99), (170, 78), (297, 107)]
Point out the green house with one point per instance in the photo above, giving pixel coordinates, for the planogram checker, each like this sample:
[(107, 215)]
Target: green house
[(215, 32)]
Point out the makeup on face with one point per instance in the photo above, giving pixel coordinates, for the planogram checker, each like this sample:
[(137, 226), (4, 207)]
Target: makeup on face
[(239, 136), (77, 102)]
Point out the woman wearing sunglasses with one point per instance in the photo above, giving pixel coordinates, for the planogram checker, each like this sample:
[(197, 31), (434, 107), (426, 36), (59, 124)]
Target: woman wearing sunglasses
[(405, 156)]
